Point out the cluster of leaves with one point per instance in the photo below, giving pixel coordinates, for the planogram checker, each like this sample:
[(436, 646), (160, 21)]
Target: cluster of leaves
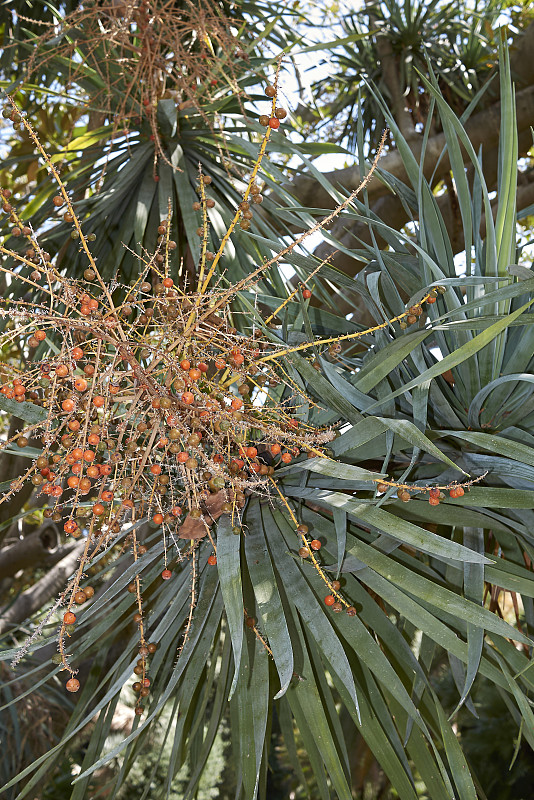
[(456, 39)]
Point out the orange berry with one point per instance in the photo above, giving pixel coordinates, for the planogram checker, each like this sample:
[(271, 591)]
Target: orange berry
[(77, 353), (93, 471), (67, 405), (157, 518), (107, 496), (176, 511), (251, 452), (212, 560), (315, 544), (237, 403), (98, 509), (238, 358), (220, 363), (69, 618), (434, 501), (306, 293), (182, 457), (72, 685), (77, 453), (70, 526), (80, 384), (286, 458), (155, 469), (275, 449), (188, 398), (99, 401), (203, 367), (185, 364), (73, 482), (166, 574), (329, 600), (94, 438), (89, 455), (40, 335), (194, 374), (168, 282)]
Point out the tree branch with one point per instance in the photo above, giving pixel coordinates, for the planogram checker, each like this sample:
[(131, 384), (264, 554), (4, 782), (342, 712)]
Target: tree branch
[(36, 548), (41, 592)]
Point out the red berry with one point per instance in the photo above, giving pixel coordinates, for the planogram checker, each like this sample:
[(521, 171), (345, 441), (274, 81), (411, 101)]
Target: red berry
[(212, 560), (434, 501), (157, 519), (329, 600), (306, 293), (69, 618), (274, 123), (166, 574), (315, 544)]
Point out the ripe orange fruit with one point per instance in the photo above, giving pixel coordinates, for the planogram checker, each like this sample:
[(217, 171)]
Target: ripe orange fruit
[(329, 600)]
